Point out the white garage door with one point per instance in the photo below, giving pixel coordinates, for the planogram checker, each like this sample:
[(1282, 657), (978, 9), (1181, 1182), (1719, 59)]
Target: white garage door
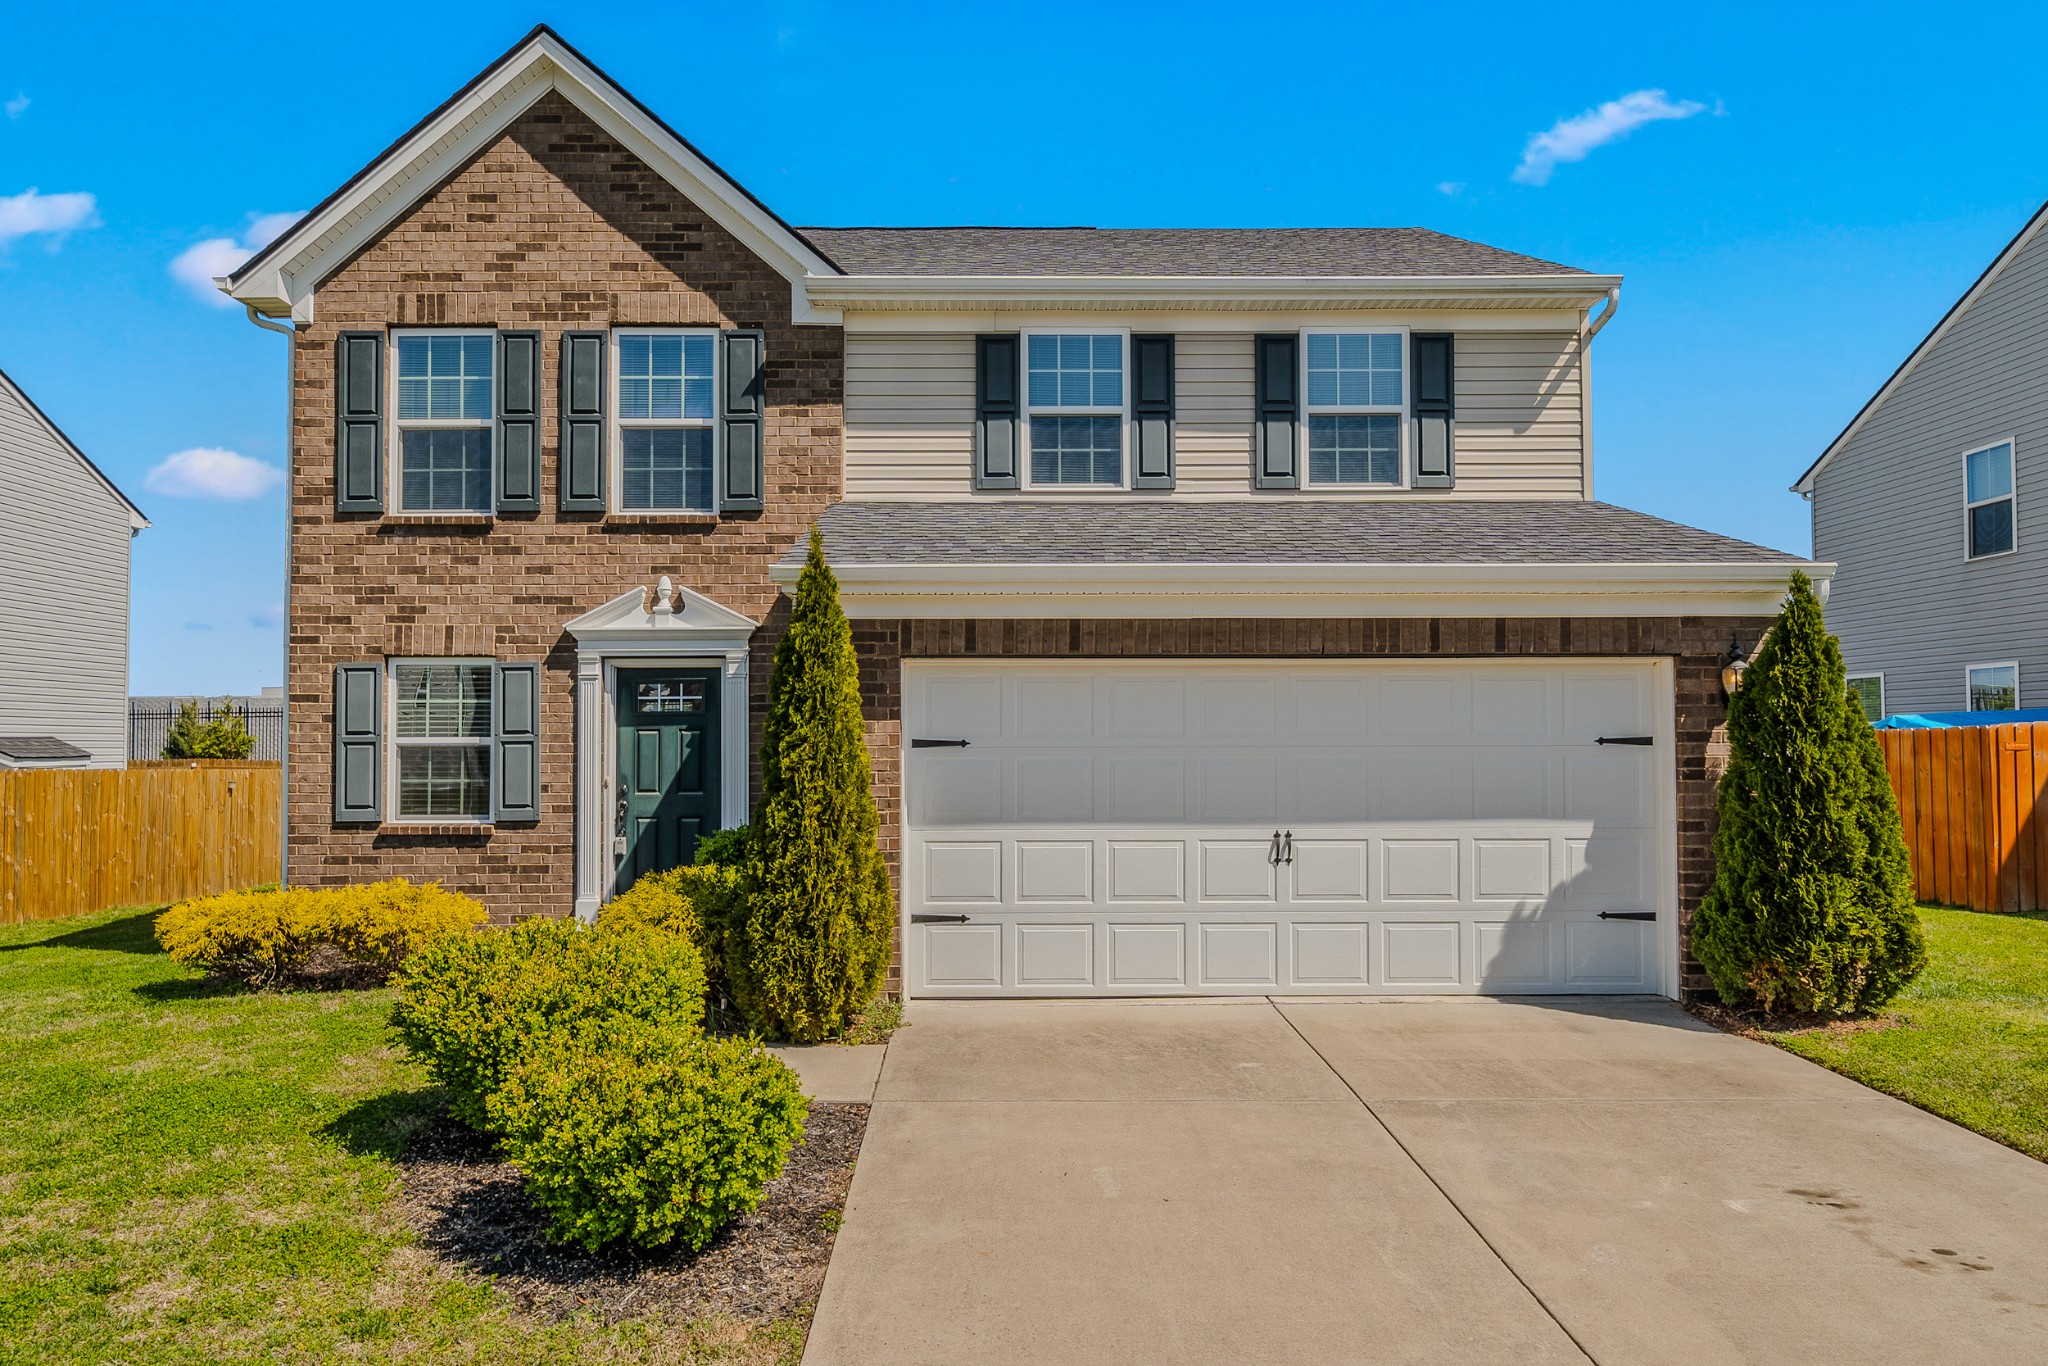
[(1286, 826)]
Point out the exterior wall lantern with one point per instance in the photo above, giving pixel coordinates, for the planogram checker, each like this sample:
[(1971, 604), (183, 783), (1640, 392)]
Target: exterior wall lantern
[(1733, 668)]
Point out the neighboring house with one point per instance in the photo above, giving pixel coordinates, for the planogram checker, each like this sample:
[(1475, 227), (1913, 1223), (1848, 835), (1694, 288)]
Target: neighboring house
[(1233, 609), (150, 718), (1942, 598), (64, 534)]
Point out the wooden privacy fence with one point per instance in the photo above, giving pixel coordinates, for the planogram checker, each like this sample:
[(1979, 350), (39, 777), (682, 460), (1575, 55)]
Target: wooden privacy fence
[(1971, 800), (76, 840)]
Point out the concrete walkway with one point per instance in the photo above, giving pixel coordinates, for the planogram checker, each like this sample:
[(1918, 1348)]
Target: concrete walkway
[(1441, 1182)]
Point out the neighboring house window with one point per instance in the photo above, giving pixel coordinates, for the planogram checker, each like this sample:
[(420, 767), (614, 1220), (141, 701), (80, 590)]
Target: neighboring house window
[(1357, 398), (441, 737), (1987, 476), (1074, 404), (666, 412), (1993, 687), (444, 421), (1868, 692)]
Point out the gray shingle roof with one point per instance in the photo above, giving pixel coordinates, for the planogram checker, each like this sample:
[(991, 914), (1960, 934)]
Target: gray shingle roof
[(1301, 252), (1267, 531), (23, 748)]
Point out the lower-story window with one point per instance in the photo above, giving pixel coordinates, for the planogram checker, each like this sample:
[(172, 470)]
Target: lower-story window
[(1993, 687), (1867, 692), (441, 737)]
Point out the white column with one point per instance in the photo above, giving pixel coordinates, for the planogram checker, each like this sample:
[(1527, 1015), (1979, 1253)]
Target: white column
[(737, 725), (593, 848)]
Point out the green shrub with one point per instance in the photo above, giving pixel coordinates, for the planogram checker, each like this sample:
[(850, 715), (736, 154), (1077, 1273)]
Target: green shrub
[(698, 903), (469, 1006), (646, 1133), (267, 935), (222, 735), (1812, 903), (811, 942)]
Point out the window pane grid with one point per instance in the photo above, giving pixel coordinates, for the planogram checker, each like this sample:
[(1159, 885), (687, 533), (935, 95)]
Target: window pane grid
[(1354, 370), (666, 469), (1077, 450), (666, 377), (1355, 448), (444, 780), (1075, 371), (442, 730), (444, 701), (444, 378), (445, 469)]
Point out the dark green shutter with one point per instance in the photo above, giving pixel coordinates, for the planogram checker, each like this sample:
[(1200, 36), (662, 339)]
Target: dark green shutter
[(515, 742), (580, 470), (1433, 385), (1152, 411), (359, 422), (518, 435), (742, 416), (996, 412), (1276, 403), (358, 742)]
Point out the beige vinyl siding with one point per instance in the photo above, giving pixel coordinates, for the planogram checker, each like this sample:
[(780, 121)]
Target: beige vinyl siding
[(910, 416), (1889, 508), (63, 593)]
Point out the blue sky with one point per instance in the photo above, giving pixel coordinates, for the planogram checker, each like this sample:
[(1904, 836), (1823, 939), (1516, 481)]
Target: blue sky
[(1800, 203)]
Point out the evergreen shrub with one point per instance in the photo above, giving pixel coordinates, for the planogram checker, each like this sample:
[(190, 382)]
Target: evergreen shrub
[(1812, 904)]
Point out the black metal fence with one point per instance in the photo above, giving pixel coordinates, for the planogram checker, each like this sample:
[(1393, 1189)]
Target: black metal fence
[(149, 719)]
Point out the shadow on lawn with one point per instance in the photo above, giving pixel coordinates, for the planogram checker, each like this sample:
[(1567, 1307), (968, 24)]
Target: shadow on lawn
[(383, 1126), (134, 933)]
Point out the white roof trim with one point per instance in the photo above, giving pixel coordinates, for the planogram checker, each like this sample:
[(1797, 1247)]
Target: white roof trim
[(281, 278), (136, 521), (691, 620), (1139, 291), (1963, 305), (874, 591)]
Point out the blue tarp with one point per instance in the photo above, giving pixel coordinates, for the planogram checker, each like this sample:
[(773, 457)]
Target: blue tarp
[(1937, 720)]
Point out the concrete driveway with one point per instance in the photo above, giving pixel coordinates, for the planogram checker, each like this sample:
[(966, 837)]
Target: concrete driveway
[(1472, 1181)]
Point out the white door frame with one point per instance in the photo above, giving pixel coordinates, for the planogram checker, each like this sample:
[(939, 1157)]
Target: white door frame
[(1663, 694), (684, 629)]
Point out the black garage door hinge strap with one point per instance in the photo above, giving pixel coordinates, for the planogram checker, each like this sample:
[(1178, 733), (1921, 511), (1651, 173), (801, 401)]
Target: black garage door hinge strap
[(1628, 915), (921, 743), (1626, 740), (919, 919)]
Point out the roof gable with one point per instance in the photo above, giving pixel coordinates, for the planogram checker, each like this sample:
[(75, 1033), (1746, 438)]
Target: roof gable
[(9, 389), (282, 277), (1983, 284)]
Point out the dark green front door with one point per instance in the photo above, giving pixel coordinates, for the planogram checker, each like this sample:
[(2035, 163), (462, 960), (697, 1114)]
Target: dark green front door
[(668, 767)]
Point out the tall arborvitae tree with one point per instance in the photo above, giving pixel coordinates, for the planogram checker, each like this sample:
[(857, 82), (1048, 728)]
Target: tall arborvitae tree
[(812, 942), (1812, 904)]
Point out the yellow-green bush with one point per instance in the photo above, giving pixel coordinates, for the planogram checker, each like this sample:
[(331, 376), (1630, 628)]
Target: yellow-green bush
[(268, 936), (698, 903)]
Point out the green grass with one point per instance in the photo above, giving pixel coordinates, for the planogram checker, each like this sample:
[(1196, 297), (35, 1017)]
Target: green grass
[(194, 1173), (1969, 1039)]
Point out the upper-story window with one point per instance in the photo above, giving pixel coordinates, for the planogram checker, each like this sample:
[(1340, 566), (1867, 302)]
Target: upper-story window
[(442, 739), (1357, 398), (444, 421), (1987, 479), (666, 413), (1074, 405)]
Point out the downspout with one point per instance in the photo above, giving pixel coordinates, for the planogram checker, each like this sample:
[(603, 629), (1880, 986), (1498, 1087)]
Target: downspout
[(284, 752), (1592, 330), (1589, 329)]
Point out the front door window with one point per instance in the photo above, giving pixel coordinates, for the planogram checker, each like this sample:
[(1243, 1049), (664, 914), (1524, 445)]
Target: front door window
[(668, 756)]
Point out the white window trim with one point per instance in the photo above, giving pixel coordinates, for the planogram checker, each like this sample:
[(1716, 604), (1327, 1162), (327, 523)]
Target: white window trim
[(1123, 411), (1879, 676), (395, 445), (615, 426), (1400, 412), (2012, 445), (392, 742), (2012, 664)]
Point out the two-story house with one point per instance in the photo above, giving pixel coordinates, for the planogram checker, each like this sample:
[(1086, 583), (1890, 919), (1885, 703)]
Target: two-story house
[(65, 534), (1942, 601), (1234, 611)]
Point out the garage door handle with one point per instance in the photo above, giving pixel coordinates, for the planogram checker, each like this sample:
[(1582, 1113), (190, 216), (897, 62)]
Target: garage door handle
[(1628, 915), (1273, 854), (939, 744), (1287, 850), (938, 919), (1626, 740)]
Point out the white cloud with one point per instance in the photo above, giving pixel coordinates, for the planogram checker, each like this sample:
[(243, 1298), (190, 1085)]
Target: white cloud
[(210, 472), (32, 211), (17, 106), (1450, 187), (198, 265), (1574, 138), (272, 615)]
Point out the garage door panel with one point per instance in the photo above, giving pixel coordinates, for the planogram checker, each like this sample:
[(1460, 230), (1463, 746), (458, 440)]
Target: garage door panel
[(1113, 832)]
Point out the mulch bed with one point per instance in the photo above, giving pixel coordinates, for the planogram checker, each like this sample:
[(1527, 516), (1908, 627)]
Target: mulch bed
[(1755, 1024), (470, 1211)]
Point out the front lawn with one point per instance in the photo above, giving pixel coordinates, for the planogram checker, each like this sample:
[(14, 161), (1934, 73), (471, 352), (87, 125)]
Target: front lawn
[(191, 1172), (1969, 1039)]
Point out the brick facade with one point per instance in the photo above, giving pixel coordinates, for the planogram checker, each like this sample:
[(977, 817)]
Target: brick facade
[(1697, 645), (551, 227)]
